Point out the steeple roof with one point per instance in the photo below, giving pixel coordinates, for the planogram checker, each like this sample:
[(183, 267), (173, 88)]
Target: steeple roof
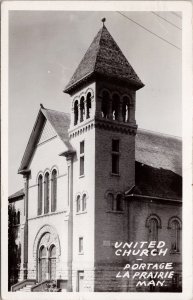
[(104, 57)]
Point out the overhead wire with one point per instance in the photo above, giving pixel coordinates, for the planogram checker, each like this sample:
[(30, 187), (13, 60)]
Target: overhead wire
[(175, 14), (161, 38), (165, 20)]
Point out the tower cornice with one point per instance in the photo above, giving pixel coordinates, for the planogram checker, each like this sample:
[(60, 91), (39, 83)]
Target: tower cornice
[(105, 124)]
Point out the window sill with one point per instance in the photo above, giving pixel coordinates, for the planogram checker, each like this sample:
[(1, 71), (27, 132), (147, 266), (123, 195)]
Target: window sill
[(81, 212), (175, 252), (81, 176), (115, 211), (115, 175), (81, 253)]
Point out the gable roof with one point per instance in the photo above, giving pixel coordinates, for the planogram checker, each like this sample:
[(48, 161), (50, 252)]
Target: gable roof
[(104, 57), (159, 150), (158, 166), (156, 182), (60, 121)]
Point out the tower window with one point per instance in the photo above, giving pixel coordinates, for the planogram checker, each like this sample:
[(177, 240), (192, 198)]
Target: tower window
[(125, 109), (82, 109), (40, 185), (46, 193), (78, 203), (84, 202), (80, 246), (115, 156), (119, 203), (81, 158), (54, 190), (88, 105), (76, 112), (105, 104), (110, 201), (115, 107)]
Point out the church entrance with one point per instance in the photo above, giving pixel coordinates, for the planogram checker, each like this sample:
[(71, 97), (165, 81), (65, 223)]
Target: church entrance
[(46, 258), (42, 264)]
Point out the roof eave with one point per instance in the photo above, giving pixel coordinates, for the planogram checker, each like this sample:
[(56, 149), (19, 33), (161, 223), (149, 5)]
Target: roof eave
[(94, 74), (70, 88), (133, 195)]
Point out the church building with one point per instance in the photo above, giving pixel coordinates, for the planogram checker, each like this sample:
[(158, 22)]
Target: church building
[(92, 182)]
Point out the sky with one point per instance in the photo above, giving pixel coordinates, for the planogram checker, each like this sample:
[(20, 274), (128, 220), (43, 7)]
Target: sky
[(45, 47)]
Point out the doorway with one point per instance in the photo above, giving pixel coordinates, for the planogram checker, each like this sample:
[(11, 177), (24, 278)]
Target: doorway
[(80, 287)]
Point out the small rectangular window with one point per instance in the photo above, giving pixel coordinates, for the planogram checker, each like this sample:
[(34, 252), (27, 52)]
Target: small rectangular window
[(81, 158), (80, 244), (115, 145), (82, 147), (115, 157)]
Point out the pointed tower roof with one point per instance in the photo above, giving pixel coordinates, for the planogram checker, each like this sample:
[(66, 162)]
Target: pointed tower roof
[(104, 57)]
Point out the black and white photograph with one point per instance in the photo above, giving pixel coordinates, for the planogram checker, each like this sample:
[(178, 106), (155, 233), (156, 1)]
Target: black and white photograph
[(96, 199)]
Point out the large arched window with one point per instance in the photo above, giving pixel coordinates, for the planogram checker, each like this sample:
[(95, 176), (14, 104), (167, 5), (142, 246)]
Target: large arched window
[(40, 190), (75, 112), (115, 106), (88, 105), (54, 190), (52, 262), (105, 104), (42, 264), (125, 109), (175, 227), (82, 109), (46, 192)]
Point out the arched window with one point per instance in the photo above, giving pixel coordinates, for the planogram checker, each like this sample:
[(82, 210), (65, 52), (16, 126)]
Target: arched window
[(153, 223), (84, 202), (105, 104), (40, 189), (78, 203), (46, 192), (110, 201), (175, 226), (115, 107), (52, 262), (42, 264), (153, 229), (54, 190), (75, 112), (119, 202), (125, 109), (82, 109), (88, 105)]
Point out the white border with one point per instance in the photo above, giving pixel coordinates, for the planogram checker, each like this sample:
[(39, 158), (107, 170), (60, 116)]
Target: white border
[(186, 8)]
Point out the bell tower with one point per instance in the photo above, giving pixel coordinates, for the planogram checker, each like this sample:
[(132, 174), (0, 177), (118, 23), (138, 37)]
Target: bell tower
[(102, 131)]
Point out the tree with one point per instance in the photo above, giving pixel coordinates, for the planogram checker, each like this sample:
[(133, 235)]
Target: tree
[(14, 248)]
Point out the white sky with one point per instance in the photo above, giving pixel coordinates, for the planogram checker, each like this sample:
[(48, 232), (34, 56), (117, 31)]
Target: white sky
[(45, 47)]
